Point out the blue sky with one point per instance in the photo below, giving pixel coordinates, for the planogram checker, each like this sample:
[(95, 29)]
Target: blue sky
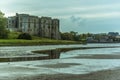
[(83, 16)]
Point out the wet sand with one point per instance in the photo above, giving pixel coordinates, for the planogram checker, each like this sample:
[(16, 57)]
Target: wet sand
[(59, 65), (100, 75), (111, 74)]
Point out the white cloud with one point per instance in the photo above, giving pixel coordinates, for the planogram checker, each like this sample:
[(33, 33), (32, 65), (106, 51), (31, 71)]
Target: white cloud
[(97, 7), (101, 15), (97, 11), (63, 9)]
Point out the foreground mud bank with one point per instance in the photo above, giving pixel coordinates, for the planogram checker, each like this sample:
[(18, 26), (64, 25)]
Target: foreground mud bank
[(100, 75), (81, 63)]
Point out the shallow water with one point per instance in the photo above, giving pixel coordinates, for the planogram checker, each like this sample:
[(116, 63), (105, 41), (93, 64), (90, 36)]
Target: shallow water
[(26, 50), (66, 64)]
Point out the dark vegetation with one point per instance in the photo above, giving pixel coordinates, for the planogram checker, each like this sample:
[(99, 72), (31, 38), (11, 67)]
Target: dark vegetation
[(25, 36), (3, 24), (74, 36)]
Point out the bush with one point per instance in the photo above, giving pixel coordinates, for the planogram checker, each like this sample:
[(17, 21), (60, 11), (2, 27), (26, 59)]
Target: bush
[(25, 36), (4, 34)]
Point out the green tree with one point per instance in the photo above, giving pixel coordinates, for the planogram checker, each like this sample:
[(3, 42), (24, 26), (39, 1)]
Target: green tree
[(66, 36), (70, 36), (3, 24)]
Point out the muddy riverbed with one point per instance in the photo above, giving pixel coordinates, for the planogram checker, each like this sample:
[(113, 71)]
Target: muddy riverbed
[(83, 64)]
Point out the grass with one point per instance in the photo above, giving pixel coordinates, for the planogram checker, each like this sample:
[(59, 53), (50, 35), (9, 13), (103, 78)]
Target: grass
[(13, 41), (13, 35)]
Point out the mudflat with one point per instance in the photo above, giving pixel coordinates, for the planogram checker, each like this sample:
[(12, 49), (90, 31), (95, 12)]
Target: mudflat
[(100, 75), (111, 74)]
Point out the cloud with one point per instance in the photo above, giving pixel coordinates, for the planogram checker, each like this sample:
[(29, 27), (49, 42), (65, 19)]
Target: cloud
[(78, 15), (62, 8), (78, 21), (101, 15), (92, 25)]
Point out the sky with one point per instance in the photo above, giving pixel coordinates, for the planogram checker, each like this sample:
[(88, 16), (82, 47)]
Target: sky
[(82, 16)]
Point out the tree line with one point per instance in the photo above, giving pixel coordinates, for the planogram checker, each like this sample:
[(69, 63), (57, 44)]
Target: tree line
[(74, 36)]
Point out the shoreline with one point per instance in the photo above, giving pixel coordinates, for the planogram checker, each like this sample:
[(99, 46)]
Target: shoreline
[(16, 42), (43, 44), (38, 42)]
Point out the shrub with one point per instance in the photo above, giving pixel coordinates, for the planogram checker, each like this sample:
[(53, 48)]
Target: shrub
[(4, 34), (25, 36)]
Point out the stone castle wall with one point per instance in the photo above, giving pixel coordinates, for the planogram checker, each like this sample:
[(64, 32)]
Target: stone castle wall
[(43, 27)]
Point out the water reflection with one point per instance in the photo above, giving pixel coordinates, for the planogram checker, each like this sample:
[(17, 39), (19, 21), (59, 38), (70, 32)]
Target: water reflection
[(47, 54), (54, 54), (50, 54)]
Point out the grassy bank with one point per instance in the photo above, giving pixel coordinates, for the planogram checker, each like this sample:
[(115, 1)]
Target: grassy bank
[(13, 41), (17, 42)]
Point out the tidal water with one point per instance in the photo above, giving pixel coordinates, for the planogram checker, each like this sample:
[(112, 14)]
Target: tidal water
[(68, 62), (26, 50)]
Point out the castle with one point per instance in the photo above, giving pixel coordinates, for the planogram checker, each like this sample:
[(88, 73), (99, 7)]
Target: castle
[(34, 25)]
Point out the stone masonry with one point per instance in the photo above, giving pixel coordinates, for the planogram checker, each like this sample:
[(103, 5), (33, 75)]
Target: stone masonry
[(34, 25)]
